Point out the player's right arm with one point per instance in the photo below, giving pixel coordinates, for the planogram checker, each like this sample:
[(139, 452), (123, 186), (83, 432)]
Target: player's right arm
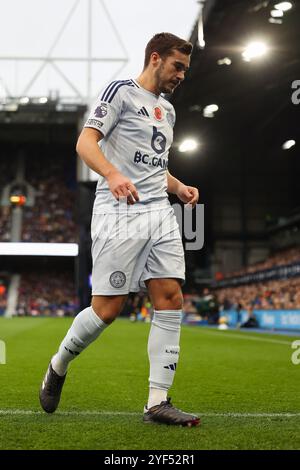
[(89, 151)]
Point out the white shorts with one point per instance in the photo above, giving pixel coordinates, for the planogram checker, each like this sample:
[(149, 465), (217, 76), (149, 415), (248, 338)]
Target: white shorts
[(128, 249)]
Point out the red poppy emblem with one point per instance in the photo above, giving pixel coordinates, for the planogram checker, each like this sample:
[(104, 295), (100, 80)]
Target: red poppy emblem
[(158, 113)]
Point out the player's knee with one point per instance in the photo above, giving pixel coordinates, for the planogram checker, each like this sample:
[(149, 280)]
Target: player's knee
[(169, 300), (106, 317), (107, 311)]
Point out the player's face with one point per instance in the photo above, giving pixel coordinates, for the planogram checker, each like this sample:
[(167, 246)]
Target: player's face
[(172, 71)]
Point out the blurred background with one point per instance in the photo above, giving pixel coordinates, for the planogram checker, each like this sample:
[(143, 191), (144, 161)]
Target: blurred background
[(236, 139)]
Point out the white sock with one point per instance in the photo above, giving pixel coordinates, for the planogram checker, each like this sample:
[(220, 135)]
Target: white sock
[(85, 328), (163, 352), (156, 396)]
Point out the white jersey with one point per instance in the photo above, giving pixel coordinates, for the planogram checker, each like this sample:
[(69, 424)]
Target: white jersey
[(138, 132)]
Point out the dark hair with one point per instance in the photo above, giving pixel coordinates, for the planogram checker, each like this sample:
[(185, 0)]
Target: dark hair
[(164, 44)]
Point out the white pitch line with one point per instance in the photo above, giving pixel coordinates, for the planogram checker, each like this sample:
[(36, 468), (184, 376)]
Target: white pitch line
[(224, 334), (12, 412), (68, 413), (253, 415)]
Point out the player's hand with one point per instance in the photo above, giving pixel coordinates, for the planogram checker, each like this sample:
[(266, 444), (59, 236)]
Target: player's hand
[(121, 187), (188, 194)]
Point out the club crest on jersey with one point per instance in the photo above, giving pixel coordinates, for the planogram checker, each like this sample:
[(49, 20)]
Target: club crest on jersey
[(101, 111), (158, 113), (117, 279)]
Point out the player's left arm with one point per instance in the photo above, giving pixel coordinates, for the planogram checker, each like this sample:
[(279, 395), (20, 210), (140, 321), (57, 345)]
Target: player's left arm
[(187, 194)]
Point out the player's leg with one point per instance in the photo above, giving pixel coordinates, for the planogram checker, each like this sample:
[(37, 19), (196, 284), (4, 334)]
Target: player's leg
[(163, 352), (86, 328), (163, 343)]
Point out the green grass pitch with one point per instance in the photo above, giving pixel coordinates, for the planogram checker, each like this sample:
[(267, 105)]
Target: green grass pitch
[(244, 385)]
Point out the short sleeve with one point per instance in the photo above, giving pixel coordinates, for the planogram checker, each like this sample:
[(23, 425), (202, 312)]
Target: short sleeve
[(173, 117), (106, 111)]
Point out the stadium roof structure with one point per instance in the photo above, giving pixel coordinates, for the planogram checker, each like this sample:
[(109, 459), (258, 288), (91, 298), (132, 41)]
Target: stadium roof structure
[(36, 121), (74, 50), (240, 166), (72, 57), (254, 98)]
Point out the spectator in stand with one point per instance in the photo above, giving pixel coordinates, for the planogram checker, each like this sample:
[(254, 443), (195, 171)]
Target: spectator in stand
[(251, 321), (239, 308), (208, 306), (189, 305)]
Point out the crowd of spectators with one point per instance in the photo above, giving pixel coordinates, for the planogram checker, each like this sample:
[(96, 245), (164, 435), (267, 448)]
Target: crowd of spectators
[(47, 294), (281, 294), (277, 294), (281, 258), (52, 218)]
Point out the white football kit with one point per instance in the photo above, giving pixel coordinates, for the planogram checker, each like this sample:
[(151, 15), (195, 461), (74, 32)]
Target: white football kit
[(131, 244)]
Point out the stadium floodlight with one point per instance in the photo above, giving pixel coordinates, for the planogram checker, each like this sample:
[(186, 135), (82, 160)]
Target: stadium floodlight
[(18, 200), (275, 20), (224, 61), (254, 50), (188, 145), (43, 100), (24, 100), (288, 144), (283, 6), (277, 13), (209, 110)]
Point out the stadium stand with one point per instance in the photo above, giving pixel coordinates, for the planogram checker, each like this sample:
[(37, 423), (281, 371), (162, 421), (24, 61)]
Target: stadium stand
[(52, 217), (46, 214), (281, 294), (47, 294), (4, 283), (281, 258), (271, 284)]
